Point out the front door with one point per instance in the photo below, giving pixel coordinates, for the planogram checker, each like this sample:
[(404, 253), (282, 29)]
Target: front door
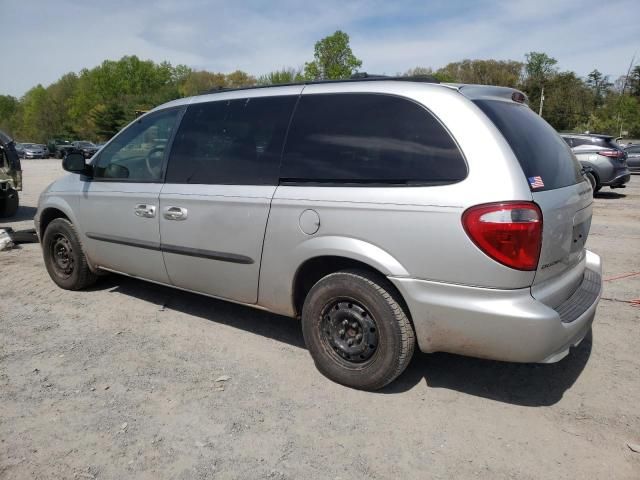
[(119, 206), (222, 174)]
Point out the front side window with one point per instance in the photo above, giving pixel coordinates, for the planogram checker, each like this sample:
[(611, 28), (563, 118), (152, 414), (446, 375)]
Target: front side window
[(369, 139), (137, 154), (235, 142)]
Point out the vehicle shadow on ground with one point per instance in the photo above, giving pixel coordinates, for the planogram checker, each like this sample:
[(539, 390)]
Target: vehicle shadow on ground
[(523, 384), (518, 384), (23, 213), (259, 322), (609, 195)]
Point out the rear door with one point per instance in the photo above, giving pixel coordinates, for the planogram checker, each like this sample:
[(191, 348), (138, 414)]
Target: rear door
[(223, 171), (557, 186)]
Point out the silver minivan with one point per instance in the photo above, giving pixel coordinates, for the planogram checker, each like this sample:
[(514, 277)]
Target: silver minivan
[(382, 212)]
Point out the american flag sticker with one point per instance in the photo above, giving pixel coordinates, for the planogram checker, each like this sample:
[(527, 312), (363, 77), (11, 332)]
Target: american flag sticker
[(536, 182)]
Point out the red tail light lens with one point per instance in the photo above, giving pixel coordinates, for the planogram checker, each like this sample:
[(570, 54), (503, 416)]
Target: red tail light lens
[(509, 232), (611, 153)]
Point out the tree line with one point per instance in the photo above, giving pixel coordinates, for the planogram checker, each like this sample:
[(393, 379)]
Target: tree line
[(95, 103)]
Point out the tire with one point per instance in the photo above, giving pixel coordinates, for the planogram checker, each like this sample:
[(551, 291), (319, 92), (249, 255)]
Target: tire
[(593, 180), (376, 323), (9, 204), (64, 258)]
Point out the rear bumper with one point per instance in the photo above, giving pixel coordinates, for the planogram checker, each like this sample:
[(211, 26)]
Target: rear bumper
[(621, 178), (508, 325)]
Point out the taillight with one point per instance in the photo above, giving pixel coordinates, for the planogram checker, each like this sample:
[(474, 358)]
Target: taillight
[(611, 153), (508, 232)]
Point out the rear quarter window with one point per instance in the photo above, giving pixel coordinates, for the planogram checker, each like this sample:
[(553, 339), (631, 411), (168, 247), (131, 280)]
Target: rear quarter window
[(539, 149), (365, 138)]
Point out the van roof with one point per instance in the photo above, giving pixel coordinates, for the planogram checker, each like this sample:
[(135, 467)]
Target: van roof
[(358, 77), (471, 91)]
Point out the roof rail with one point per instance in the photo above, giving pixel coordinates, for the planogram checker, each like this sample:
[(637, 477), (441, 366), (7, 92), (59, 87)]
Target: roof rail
[(356, 77)]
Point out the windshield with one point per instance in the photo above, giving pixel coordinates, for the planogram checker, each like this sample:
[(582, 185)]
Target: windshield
[(85, 144)]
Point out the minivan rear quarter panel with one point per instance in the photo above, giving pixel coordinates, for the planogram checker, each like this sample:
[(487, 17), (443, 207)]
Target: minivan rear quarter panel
[(418, 226)]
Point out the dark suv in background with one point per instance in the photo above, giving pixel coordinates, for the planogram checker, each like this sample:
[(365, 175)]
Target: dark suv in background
[(87, 149), (603, 160)]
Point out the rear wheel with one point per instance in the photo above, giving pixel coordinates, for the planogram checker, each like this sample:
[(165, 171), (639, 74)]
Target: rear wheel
[(9, 203), (64, 258), (593, 181), (357, 330)]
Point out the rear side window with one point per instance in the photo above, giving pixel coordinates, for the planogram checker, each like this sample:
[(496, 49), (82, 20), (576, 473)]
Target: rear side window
[(231, 142), (545, 158), (368, 138)]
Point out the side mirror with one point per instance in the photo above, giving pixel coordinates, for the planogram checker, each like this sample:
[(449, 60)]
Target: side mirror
[(75, 163)]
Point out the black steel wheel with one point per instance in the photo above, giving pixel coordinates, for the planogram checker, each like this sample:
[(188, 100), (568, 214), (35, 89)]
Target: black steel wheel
[(348, 331), (356, 329), (63, 256)]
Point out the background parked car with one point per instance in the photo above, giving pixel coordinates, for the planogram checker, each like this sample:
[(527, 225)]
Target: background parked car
[(59, 147), (19, 150), (86, 148), (603, 160), (45, 149), (33, 150), (633, 156)]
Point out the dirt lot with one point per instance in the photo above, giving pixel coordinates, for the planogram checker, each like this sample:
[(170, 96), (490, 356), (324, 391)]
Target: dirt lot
[(119, 382)]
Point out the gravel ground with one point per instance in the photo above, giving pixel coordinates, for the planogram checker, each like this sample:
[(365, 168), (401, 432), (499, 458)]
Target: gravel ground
[(120, 382)]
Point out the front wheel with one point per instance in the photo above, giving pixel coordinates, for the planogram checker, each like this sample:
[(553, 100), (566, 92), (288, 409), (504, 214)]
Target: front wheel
[(64, 258), (357, 330)]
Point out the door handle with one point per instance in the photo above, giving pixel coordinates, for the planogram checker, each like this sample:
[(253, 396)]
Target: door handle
[(145, 211), (175, 213)]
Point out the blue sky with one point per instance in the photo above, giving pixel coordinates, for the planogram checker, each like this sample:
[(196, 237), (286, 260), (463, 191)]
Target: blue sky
[(44, 39)]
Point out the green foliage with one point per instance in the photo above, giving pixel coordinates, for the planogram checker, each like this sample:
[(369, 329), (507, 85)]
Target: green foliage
[(284, 75), (95, 103), (539, 67), (8, 109), (332, 59), (506, 73), (107, 120), (599, 85), (196, 82), (567, 101)]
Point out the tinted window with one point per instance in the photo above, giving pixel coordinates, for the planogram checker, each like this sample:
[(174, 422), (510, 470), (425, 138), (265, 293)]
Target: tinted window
[(137, 154), (231, 142), (368, 138), (581, 141), (539, 149)]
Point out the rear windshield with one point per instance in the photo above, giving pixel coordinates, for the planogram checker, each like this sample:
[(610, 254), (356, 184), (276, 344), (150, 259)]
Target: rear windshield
[(596, 142), (545, 158)]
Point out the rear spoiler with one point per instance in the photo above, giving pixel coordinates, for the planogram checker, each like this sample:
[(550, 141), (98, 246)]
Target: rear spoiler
[(489, 92)]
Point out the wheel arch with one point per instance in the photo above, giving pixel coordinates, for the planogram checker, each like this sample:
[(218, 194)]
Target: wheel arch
[(48, 215), (316, 268)]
